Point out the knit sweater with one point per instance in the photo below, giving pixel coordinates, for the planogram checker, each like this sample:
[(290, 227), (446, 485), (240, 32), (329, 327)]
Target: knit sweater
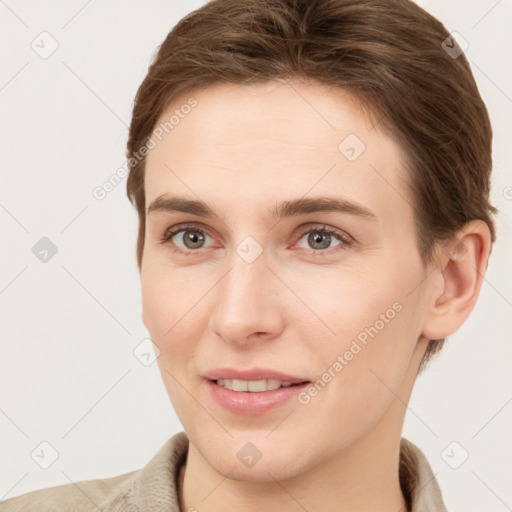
[(155, 486)]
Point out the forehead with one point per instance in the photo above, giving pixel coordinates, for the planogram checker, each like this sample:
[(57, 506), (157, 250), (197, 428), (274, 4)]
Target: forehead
[(278, 140)]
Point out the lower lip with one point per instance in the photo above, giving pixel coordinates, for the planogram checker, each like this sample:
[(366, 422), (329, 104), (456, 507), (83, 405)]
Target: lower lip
[(246, 402)]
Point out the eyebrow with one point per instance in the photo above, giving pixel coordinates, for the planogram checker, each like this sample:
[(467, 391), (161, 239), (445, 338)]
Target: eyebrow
[(296, 207)]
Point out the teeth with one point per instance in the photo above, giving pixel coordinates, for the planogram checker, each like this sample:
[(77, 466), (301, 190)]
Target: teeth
[(255, 386)]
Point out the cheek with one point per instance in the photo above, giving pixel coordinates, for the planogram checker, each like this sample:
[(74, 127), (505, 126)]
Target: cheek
[(371, 323), (155, 305), (346, 302), (168, 298), (175, 309), (173, 319), (360, 375)]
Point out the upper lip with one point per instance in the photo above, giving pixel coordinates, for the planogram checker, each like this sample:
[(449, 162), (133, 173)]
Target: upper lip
[(252, 374)]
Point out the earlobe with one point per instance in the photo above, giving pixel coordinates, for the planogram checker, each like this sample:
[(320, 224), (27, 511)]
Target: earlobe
[(462, 264)]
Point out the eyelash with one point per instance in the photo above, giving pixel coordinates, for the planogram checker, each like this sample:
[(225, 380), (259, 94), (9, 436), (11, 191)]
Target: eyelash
[(346, 240)]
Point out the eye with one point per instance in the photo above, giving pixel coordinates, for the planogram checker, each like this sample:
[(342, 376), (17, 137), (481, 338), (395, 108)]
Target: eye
[(320, 238), (190, 238)]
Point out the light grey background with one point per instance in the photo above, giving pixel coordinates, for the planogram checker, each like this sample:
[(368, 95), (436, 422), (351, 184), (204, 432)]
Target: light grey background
[(69, 326)]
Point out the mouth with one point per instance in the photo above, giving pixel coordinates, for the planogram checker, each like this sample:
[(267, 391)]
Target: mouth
[(254, 376), (255, 386), (253, 397), (253, 391)]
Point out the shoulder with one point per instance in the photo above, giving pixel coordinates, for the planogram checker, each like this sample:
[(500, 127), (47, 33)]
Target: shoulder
[(82, 496), (152, 487)]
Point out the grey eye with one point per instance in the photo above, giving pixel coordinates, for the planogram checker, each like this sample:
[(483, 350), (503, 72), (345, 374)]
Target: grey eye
[(191, 238), (319, 240)]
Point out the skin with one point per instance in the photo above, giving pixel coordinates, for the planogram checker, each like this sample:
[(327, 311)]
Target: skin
[(243, 149)]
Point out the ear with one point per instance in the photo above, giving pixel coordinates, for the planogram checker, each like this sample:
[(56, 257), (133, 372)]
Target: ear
[(461, 265)]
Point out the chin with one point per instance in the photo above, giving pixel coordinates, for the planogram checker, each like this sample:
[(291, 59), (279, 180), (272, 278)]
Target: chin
[(252, 456)]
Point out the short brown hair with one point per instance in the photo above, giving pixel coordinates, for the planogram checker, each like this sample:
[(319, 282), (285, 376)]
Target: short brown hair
[(390, 53)]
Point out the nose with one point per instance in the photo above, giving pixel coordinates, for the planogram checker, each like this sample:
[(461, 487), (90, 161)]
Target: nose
[(249, 302)]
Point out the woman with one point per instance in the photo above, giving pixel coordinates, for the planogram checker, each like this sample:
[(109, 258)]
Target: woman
[(312, 185)]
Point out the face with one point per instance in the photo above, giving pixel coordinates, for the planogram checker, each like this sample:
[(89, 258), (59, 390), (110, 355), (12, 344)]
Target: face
[(331, 292)]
